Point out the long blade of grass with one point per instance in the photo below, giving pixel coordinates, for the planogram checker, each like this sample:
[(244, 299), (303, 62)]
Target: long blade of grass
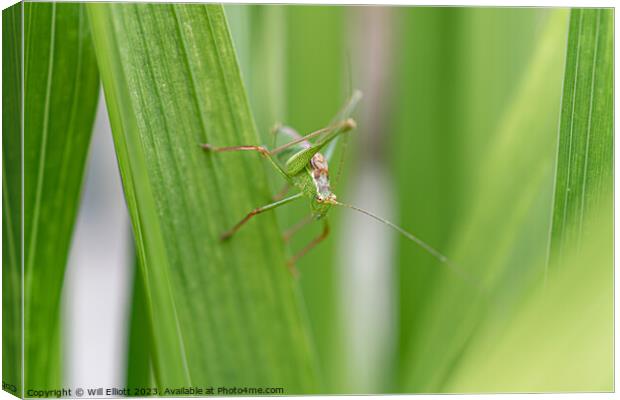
[(426, 147), (561, 337), (500, 231), (564, 331), (584, 173), (11, 199), (139, 361), (61, 90), (226, 314), (458, 71)]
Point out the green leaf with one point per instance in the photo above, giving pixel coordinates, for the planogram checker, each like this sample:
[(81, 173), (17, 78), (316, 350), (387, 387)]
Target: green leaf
[(11, 199), (561, 337), (139, 361), (584, 171), (432, 103), (224, 314), (500, 147), (61, 88)]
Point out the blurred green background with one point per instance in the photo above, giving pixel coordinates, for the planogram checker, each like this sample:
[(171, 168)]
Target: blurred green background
[(457, 142)]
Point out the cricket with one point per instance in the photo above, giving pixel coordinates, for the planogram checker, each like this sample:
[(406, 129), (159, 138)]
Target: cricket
[(304, 166)]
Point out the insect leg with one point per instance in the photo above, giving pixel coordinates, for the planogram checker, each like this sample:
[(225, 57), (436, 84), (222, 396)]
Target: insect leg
[(291, 262), (329, 132), (256, 211), (260, 149), (288, 234), (209, 147)]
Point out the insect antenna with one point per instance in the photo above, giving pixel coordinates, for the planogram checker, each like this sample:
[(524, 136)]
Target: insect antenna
[(343, 115), (343, 153), (345, 140), (430, 249)]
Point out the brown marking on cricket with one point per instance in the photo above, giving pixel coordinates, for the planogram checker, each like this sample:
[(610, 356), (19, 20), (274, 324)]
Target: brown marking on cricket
[(320, 176)]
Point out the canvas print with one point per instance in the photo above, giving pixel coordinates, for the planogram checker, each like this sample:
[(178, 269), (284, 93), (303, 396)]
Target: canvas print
[(267, 200)]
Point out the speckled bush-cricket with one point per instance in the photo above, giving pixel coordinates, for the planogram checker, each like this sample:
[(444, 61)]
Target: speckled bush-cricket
[(304, 167)]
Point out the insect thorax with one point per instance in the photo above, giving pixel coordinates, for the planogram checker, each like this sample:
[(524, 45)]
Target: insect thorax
[(319, 173), (314, 182)]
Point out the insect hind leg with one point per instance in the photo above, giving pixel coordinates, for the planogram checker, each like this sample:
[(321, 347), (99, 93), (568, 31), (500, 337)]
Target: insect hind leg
[(229, 233), (291, 262)]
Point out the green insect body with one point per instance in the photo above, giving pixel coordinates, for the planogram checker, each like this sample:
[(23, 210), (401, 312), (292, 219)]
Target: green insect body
[(300, 160), (307, 170)]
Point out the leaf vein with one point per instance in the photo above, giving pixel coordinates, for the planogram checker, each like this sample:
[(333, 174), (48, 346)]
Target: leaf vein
[(570, 135), (588, 132), (43, 148)]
